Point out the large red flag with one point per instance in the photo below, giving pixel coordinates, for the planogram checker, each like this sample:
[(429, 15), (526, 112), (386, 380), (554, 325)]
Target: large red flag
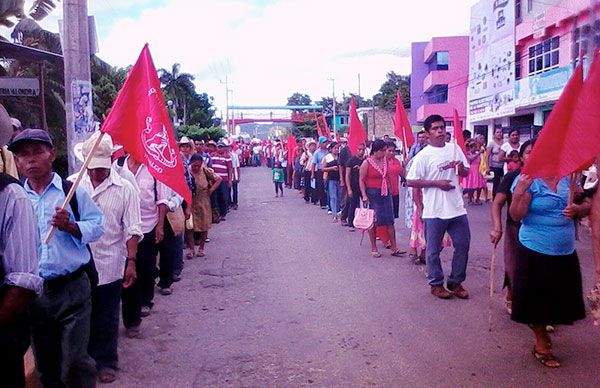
[(553, 155), (139, 122), (319, 129), (458, 135), (402, 127), (356, 133)]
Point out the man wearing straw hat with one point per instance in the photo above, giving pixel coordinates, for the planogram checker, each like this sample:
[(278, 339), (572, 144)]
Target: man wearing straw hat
[(114, 253), (60, 317)]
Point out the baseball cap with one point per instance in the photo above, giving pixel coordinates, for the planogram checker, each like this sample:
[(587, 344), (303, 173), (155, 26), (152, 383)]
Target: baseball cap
[(30, 135), (322, 139)]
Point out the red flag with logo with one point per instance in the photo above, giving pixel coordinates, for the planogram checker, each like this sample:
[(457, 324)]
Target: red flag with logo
[(140, 123), (458, 135), (356, 133), (561, 147), (402, 127)]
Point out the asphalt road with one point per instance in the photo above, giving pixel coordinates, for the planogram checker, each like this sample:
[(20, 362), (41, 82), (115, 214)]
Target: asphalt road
[(286, 298)]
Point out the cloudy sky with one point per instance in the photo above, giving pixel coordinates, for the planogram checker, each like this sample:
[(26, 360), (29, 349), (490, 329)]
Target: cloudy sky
[(273, 48)]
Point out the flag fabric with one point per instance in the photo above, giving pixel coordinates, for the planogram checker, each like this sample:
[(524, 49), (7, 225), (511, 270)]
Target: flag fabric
[(291, 149), (319, 129), (458, 135), (140, 123), (356, 133), (565, 143), (402, 127)]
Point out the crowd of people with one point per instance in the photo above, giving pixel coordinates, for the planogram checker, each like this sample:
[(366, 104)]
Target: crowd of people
[(542, 273), (65, 294)]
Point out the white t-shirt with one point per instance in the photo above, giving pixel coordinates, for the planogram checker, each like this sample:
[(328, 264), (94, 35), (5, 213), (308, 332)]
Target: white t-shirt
[(432, 163)]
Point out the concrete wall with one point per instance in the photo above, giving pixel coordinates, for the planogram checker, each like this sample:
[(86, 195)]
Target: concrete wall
[(419, 71)]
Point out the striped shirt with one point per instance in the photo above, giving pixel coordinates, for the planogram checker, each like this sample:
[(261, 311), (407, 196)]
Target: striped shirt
[(221, 164), (120, 203), (19, 240)]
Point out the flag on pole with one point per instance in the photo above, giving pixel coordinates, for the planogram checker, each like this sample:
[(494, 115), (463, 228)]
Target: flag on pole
[(319, 129), (356, 133), (458, 135), (402, 127), (291, 145), (140, 123), (565, 143)]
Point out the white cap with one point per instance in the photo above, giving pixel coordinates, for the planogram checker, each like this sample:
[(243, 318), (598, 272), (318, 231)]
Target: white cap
[(185, 140)]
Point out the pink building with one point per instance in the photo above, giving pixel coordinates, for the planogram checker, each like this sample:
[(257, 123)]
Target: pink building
[(549, 38), (439, 78)]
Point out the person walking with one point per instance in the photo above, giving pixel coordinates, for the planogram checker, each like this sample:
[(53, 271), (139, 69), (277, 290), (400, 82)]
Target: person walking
[(205, 183), (474, 183), (352, 179), (114, 253), (19, 279), (513, 144), (306, 160), (235, 178), (278, 178), (547, 287), (435, 170), (374, 187), (495, 165), (332, 168), (60, 317), (222, 166), (317, 173)]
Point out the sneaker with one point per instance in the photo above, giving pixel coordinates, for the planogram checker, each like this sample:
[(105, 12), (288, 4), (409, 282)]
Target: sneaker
[(458, 291), (166, 291), (440, 292), (207, 240), (107, 375), (145, 311), (329, 212), (132, 332)]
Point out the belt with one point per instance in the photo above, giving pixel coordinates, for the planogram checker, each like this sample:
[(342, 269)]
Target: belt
[(60, 281)]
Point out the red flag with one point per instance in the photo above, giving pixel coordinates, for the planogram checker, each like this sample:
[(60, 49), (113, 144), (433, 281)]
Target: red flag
[(356, 134), (326, 130), (139, 122), (458, 135), (402, 127), (291, 149), (561, 146)]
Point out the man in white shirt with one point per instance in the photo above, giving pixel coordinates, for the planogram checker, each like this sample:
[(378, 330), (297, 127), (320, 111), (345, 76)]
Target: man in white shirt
[(435, 170), (235, 176), (114, 253)]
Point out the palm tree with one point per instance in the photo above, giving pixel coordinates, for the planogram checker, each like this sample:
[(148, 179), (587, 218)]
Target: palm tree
[(178, 87)]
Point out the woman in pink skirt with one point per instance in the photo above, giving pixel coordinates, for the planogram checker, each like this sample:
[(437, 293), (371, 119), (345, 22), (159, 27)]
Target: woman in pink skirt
[(474, 183)]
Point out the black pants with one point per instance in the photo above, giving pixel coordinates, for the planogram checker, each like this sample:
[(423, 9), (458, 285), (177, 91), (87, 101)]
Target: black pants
[(344, 203), (353, 203), (14, 341), (223, 198), (167, 249), (104, 324), (234, 193), (141, 292), (307, 188), (298, 179), (396, 205), (319, 193), (498, 175), (278, 186)]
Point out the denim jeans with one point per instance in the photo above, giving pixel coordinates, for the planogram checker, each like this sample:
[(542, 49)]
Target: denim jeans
[(333, 191), (458, 229), (223, 198), (104, 324), (178, 267), (353, 204), (60, 328)]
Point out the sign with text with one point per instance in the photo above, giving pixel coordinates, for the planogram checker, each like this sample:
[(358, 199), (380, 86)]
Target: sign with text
[(491, 60), (541, 88), (23, 87)]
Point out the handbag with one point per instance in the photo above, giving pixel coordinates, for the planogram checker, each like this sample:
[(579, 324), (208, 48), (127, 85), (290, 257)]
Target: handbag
[(177, 220), (364, 218)]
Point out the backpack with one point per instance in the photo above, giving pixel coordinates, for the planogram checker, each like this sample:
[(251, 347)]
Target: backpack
[(90, 267)]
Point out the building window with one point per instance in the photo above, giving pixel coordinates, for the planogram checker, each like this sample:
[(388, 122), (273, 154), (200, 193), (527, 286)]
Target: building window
[(529, 6), (585, 37), (438, 95), (518, 11), (544, 55), (517, 65), (442, 60), (343, 120)]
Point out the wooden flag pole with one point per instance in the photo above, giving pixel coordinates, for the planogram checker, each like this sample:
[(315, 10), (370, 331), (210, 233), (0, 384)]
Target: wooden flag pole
[(76, 183), (491, 299), (455, 156)]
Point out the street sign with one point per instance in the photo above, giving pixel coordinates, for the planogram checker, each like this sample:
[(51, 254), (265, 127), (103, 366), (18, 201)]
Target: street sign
[(24, 87)]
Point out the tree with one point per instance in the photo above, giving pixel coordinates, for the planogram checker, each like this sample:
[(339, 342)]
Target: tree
[(178, 87), (106, 81), (195, 132), (299, 99), (386, 98)]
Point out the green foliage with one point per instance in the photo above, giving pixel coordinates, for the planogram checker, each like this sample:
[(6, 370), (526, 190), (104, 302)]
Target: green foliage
[(106, 81), (197, 133), (308, 128), (386, 98), (299, 99)]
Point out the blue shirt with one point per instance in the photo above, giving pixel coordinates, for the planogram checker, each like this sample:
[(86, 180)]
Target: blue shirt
[(544, 228), (318, 158), (64, 253)]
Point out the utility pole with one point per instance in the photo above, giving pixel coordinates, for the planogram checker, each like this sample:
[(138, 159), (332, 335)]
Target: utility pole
[(334, 117), (78, 85), (226, 103), (359, 95)]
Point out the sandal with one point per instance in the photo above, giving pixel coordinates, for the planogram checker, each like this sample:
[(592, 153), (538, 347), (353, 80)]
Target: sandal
[(397, 253), (546, 359), (375, 254)]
